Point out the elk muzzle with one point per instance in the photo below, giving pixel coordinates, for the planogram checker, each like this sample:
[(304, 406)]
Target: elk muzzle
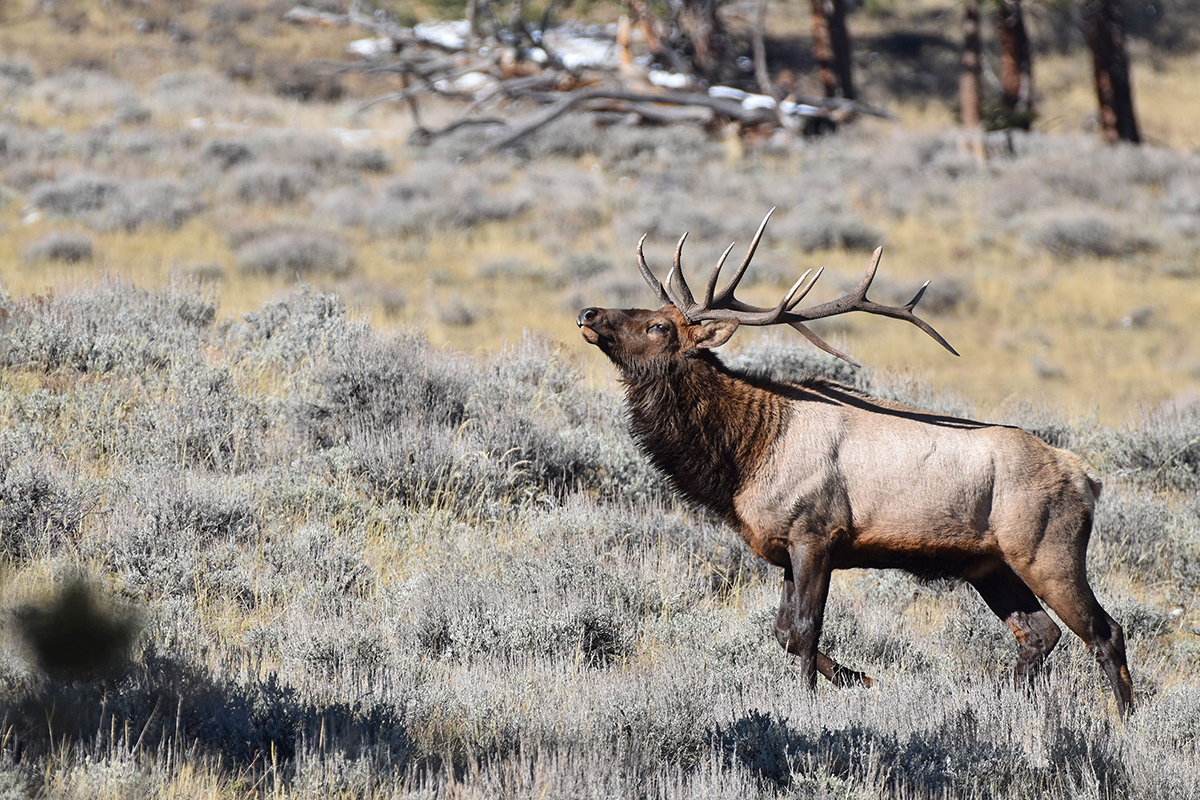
[(585, 320)]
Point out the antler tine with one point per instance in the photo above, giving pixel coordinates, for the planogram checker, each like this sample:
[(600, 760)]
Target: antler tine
[(727, 292), (678, 270), (911, 304), (712, 281), (821, 343), (681, 297), (857, 301), (922, 324), (654, 282), (860, 291), (793, 299)]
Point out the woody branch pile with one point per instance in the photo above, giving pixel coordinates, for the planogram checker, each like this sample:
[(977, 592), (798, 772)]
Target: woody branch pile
[(515, 78)]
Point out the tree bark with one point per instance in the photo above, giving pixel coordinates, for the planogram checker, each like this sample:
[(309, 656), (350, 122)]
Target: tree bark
[(968, 82), (760, 50), (652, 29), (707, 35), (1104, 27), (1016, 63), (831, 41)]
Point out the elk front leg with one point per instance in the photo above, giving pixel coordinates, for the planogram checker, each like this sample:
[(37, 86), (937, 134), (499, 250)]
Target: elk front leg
[(801, 611)]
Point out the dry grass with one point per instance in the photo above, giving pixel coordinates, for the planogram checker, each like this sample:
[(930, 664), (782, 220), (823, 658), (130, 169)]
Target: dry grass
[(312, 630)]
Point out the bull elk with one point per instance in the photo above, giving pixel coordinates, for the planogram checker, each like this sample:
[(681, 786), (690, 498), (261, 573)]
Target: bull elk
[(817, 476)]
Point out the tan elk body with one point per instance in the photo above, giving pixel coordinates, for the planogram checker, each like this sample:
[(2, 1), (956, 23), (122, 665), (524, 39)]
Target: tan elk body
[(817, 476)]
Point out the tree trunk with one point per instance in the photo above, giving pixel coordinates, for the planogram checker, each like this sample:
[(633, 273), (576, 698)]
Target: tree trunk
[(707, 35), (760, 50), (832, 44), (1016, 63), (1104, 27), (968, 82), (652, 29)]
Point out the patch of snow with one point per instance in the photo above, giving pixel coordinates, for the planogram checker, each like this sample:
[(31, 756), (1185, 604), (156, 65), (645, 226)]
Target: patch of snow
[(756, 101), (449, 34), (370, 48), (727, 93), (668, 80), (580, 52), (470, 83)]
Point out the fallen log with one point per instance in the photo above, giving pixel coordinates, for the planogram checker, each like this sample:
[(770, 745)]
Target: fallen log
[(522, 128)]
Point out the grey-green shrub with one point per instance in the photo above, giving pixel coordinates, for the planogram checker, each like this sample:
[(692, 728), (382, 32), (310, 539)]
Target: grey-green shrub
[(108, 327), (76, 194), (43, 504), (1080, 234), (295, 254), (69, 248), (270, 183)]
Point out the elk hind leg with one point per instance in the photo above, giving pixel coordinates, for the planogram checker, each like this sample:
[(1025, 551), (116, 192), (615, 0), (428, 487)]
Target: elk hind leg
[(1077, 606), (1058, 575), (1017, 606)]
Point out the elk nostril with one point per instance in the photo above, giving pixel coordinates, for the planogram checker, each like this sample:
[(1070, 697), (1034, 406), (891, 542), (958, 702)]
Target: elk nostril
[(587, 316)]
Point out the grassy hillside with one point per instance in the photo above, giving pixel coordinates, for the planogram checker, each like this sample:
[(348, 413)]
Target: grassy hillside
[(296, 414), (338, 561)]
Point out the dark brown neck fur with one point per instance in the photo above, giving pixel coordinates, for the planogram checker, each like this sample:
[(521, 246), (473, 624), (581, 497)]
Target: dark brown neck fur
[(704, 426)]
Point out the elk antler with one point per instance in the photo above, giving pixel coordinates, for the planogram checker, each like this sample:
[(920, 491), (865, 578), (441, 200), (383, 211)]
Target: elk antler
[(724, 305)]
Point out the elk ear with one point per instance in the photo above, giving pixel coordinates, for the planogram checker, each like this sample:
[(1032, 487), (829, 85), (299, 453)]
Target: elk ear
[(715, 332)]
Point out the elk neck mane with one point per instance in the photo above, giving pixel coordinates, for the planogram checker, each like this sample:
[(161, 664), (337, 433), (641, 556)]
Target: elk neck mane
[(705, 426)]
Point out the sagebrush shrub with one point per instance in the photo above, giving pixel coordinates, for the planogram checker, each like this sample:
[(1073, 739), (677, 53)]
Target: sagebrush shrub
[(206, 420), (829, 231), (295, 254), (211, 507), (1073, 235), (427, 424), (434, 198), (314, 150), (43, 504), (271, 183), (109, 327), (229, 152), (1162, 449), (573, 136), (779, 360), (69, 248), (155, 202), (76, 194), (110, 203), (298, 327), (369, 159)]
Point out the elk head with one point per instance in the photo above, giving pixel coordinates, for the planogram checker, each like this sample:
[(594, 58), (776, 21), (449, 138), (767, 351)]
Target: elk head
[(641, 341), (646, 343)]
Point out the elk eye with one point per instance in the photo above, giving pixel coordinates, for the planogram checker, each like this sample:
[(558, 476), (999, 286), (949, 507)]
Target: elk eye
[(658, 328)]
